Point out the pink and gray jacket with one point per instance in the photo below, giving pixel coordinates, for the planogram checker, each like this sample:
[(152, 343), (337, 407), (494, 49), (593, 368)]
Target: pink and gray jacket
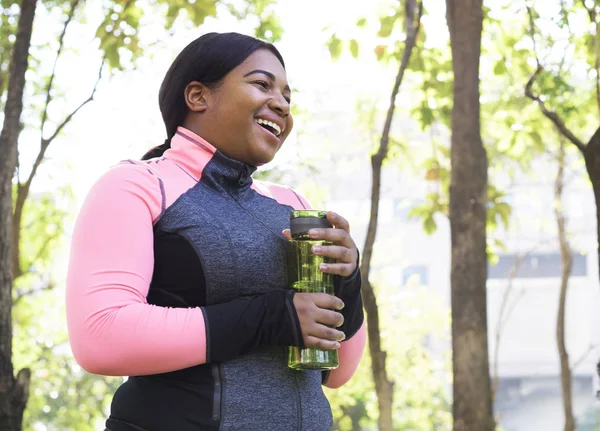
[(177, 279)]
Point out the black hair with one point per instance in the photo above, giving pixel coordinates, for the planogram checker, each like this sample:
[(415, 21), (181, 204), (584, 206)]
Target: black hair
[(207, 60)]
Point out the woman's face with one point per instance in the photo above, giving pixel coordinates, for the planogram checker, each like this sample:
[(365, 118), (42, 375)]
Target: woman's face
[(247, 117)]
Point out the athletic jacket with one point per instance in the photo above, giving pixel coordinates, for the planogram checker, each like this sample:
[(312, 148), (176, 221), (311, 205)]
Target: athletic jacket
[(177, 279)]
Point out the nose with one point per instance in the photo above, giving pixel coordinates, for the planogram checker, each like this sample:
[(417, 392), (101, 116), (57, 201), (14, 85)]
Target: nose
[(280, 105)]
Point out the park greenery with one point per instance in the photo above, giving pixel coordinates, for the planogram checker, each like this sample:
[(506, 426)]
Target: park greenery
[(539, 85)]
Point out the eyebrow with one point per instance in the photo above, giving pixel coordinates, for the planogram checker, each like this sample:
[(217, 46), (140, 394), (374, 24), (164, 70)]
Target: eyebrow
[(269, 74)]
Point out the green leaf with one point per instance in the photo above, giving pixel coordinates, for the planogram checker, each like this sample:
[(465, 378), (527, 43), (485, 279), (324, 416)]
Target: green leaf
[(335, 47), (504, 210), (500, 67), (354, 48), (361, 23), (426, 115), (429, 225), (386, 25)]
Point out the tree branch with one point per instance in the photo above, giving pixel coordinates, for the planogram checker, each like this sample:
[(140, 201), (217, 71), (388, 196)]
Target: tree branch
[(412, 31), (551, 115), (47, 141), (61, 40), (72, 114), (23, 188), (383, 386), (532, 34), (502, 320), (592, 15), (411, 38)]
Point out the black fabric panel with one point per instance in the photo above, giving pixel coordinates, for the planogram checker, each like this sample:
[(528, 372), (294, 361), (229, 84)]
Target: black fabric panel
[(348, 290), (240, 326), (152, 403), (188, 395), (178, 278)]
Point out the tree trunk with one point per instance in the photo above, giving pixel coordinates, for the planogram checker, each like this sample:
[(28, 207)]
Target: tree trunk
[(13, 391), (383, 386), (566, 259), (472, 407)]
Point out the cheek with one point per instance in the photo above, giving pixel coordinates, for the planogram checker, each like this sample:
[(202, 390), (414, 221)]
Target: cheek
[(289, 125)]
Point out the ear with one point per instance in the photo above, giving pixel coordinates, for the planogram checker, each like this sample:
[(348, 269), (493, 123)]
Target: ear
[(195, 95)]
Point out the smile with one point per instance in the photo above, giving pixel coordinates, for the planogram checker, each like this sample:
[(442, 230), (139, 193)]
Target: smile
[(270, 126)]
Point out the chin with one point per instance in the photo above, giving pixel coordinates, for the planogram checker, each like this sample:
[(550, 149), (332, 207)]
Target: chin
[(263, 161), (263, 157)]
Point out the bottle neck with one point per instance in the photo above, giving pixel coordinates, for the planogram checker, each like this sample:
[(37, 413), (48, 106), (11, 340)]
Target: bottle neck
[(301, 236)]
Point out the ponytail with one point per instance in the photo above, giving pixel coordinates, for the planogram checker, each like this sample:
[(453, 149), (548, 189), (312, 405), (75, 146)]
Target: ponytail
[(157, 151)]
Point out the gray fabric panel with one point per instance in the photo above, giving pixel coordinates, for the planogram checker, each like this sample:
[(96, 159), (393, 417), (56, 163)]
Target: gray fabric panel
[(237, 235), (260, 394)]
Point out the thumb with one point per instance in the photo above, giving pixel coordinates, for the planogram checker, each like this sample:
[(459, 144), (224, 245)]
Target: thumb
[(287, 234)]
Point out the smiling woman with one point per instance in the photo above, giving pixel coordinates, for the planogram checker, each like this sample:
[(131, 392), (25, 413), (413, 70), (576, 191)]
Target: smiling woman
[(177, 274)]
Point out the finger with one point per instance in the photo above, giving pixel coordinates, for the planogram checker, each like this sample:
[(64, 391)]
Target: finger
[(318, 343), (338, 236), (287, 234), (338, 221), (343, 269), (326, 333), (329, 318), (341, 254), (326, 301)]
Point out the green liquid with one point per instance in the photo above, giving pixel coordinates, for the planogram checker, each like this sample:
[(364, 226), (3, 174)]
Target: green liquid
[(312, 359), (305, 276)]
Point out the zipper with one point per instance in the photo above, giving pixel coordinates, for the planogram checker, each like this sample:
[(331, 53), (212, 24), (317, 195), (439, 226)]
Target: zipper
[(298, 401), (247, 211), (218, 391)]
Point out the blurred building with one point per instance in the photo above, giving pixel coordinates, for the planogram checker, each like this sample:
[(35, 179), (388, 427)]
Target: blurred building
[(523, 285)]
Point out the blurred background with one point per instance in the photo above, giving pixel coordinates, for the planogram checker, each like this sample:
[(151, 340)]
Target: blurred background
[(342, 59)]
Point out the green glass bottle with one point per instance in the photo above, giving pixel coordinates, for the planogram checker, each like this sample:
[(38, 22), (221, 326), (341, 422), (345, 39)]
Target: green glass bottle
[(304, 275)]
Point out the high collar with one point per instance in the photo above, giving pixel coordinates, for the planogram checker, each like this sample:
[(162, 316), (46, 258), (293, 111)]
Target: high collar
[(203, 161)]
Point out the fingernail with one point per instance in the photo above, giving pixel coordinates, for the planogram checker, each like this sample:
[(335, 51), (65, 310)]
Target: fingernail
[(343, 337), (323, 267), (313, 233), (342, 305), (337, 345), (316, 249), (332, 214)]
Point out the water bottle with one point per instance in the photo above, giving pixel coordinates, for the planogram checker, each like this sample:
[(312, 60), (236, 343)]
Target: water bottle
[(304, 275)]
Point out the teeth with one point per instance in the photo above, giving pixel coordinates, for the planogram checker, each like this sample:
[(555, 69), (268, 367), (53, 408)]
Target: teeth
[(270, 124)]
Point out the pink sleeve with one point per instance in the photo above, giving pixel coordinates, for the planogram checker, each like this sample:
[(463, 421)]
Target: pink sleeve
[(349, 354), (112, 329)]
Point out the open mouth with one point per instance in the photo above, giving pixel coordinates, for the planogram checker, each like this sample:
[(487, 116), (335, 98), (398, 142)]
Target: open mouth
[(269, 126)]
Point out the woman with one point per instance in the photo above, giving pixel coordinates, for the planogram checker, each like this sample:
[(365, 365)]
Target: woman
[(177, 271)]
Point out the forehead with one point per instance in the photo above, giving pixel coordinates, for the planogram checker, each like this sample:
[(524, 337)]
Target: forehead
[(263, 59)]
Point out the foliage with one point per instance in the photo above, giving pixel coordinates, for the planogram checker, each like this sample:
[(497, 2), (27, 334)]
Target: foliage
[(62, 395), (415, 329)]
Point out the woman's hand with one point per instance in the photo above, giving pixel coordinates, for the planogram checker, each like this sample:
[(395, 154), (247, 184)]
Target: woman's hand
[(344, 250), (318, 319)]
